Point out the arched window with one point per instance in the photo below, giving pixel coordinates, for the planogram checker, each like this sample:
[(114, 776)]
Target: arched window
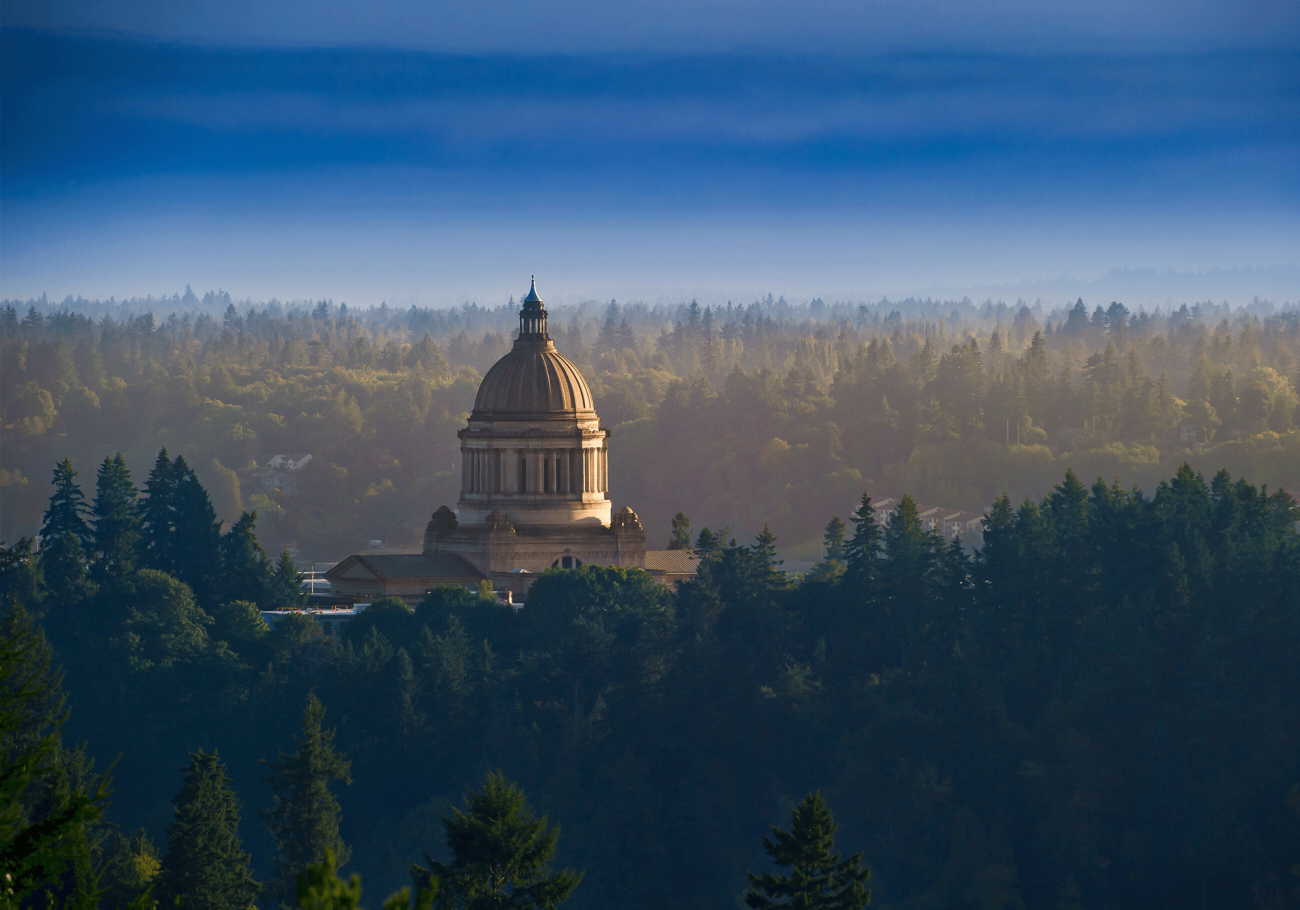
[(566, 562)]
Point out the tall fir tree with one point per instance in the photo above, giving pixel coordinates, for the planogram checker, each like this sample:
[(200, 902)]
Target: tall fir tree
[(206, 867), (818, 879), (500, 855), (862, 551), (284, 589), (245, 569), (68, 509), (765, 564), (196, 558), (158, 516), (833, 539), (51, 805), (65, 537), (304, 814), (117, 521)]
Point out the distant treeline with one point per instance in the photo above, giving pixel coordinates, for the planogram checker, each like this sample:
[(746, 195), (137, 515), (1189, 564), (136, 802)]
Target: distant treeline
[(1095, 710), (769, 410)]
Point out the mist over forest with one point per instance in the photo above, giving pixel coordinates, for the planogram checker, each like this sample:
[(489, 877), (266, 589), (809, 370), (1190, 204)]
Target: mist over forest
[(756, 411)]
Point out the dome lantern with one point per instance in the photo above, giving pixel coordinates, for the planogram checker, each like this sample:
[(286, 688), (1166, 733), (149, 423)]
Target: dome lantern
[(534, 381), (532, 318)]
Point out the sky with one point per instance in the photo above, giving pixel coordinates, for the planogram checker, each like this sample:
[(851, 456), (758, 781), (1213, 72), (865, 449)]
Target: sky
[(433, 153)]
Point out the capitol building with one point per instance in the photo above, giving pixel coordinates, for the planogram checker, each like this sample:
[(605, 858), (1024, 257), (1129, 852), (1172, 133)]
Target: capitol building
[(534, 489)]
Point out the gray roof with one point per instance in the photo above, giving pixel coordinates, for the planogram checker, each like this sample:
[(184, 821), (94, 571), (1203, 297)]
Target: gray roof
[(672, 562), (415, 565)]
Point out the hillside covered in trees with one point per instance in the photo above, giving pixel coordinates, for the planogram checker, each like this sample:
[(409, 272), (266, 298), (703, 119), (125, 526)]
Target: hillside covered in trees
[(1097, 709), (768, 411)]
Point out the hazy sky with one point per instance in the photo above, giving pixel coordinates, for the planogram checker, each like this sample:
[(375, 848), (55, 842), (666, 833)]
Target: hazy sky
[(438, 153)]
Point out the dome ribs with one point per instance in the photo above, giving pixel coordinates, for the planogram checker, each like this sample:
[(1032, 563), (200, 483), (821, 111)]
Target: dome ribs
[(530, 382)]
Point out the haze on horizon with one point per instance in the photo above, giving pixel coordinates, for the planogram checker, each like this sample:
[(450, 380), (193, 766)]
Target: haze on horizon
[(433, 154)]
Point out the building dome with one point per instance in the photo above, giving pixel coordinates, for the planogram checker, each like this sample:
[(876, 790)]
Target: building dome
[(534, 379), (534, 448)]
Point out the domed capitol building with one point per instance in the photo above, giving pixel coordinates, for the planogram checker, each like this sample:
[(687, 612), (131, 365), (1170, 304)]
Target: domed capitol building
[(534, 489)]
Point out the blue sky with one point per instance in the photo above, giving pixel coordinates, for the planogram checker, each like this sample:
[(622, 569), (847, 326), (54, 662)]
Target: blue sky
[(429, 154)]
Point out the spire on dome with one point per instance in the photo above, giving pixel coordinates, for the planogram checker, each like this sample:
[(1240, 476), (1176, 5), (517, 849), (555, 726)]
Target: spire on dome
[(532, 293), (532, 318)]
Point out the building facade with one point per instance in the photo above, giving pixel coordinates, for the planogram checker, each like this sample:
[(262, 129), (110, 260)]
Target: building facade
[(534, 486)]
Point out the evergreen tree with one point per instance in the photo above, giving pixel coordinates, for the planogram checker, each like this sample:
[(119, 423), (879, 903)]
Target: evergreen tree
[(764, 561), (117, 521), (49, 807), (707, 543), (304, 815), (68, 509), (320, 888), (833, 539), (196, 558), (131, 867), (65, 537), (284, 589), (500, 855), (680, 539), (158, 518), (18, 576), (245, 568), (63, 785), (206, 867), (818, 878), (862, 552)]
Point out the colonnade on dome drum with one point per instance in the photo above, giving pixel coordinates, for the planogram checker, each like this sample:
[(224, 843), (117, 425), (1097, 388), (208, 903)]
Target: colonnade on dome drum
[(535, 470)]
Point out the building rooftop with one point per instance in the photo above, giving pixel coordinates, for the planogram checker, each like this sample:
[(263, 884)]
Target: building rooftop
[(412, 565), (672, 562)]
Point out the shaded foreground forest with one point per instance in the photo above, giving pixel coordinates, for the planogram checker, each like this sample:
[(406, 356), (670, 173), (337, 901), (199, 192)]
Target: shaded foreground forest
[(769, 411), (1096, 710)]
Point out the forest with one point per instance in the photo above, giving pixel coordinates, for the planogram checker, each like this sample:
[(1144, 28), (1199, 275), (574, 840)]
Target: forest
[(1094, 709), (767, 411), (1092, 705)]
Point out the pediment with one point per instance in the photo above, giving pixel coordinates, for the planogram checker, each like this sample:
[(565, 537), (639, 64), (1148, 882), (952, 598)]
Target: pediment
[(357, 571)]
